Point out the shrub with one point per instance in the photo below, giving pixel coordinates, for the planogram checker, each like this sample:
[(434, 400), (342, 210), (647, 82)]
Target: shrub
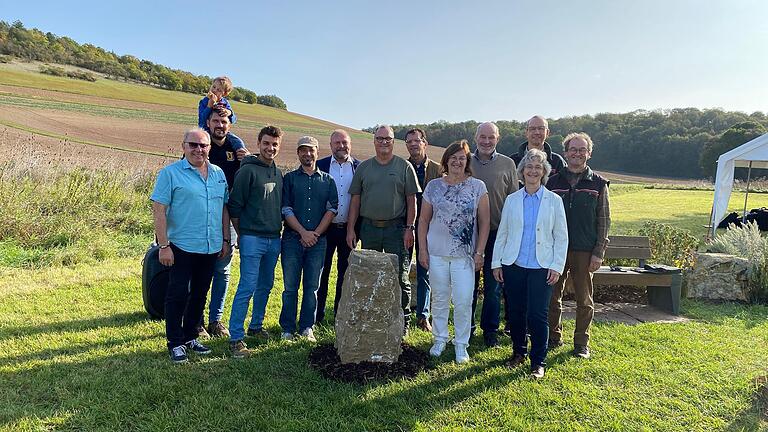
[(53, 70), (747, 242), (670, 245), (5, 58)]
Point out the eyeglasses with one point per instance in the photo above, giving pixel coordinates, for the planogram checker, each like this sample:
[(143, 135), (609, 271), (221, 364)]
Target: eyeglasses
[(384, 139), (582, 150), (537, 128), (534, 167), (196, 145), (415, 141)]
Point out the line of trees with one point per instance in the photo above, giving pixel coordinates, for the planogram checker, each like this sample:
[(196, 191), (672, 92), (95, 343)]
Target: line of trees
[(681, 142), (33, 44)]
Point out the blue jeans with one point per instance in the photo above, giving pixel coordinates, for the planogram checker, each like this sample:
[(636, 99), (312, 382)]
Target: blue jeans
[(303, 265), (528, 294), (422, 285), (220, 282), (489, 317), (258, 258)]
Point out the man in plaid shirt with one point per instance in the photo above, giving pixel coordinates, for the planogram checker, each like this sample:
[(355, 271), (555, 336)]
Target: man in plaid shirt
[(585, 197)]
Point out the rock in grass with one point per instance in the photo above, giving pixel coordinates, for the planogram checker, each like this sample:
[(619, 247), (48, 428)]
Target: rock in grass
[(718, 276), (369, 322)]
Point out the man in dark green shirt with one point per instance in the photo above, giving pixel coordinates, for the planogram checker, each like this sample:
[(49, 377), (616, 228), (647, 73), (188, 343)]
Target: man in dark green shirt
[(383, 192), (310, 202), (255, 203)]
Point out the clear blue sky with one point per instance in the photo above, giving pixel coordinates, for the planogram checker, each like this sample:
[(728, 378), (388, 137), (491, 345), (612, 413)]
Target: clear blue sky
[(361, 63)]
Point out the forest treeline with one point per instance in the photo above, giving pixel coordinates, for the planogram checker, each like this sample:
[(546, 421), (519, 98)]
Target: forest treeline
[(681, 142), (33, 44)]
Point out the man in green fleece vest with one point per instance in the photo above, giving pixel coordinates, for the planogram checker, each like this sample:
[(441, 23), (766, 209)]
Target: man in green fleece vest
[(254, 204), (585, 197)]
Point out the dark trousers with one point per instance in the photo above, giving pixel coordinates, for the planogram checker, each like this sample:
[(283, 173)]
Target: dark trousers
[(336, 238), (390, 240), (528, 294), (188, 283), (489, 316)]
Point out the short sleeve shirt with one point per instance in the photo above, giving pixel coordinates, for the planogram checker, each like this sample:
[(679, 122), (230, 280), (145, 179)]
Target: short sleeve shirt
[(383, 188), (194, 206), (453, 229)]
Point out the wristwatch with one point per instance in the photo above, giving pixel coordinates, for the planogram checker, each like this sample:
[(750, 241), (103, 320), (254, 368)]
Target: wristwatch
[(228, 241), (410, 227), (481, 255), (164, 246)]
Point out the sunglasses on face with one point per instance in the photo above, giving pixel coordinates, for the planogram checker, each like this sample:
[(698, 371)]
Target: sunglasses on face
[(198, 145)]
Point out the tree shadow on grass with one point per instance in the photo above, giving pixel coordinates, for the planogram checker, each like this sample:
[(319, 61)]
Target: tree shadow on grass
[(720, 312), (756, 416), (71, 326)]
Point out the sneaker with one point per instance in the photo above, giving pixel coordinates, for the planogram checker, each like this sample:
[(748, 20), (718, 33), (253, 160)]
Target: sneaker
[(309, 334), (197, 348), (554, 344), (461, 353), (537, 372), (239, 349), (216, 329), (581, 351), (515, 361), (259, 332), (287, 336), (437, 348), (491, 339), (424, 324), (201, 333), (178, 354)]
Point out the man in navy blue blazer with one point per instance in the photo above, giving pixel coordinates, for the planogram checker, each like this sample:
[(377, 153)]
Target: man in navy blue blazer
[(341, 166)]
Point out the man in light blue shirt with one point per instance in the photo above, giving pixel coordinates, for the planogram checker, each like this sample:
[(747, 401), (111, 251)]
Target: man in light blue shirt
[(188, 206)]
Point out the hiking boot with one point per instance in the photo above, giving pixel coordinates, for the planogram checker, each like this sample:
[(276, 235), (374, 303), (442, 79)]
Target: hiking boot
[(216, 329), (259, 332), (239, 349), (309, 334), (491, 339), (537, 372), (201, 333), (581, 351), (424, 324), (515, 361), (178, 354), (287, 336), (554, 344), (197, 348), (461, 353), (437, 348)]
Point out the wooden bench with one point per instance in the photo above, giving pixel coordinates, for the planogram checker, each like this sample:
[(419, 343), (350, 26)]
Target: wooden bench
[(663, 290)]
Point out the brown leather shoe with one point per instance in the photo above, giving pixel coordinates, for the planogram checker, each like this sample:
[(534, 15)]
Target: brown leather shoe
[(424, 324), (515, 361), (201, 333), (239, 350), (216, 329)]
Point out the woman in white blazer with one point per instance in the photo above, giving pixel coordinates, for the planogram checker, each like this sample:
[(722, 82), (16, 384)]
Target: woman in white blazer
[(529, 256)]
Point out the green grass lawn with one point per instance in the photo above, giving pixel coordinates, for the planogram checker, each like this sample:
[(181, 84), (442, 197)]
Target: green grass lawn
[(79, 353), (632, 205)]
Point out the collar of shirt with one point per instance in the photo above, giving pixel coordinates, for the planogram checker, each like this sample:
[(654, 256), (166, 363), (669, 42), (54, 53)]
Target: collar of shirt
[(484, 162), (348, 161), (301, 170), (538, 194)]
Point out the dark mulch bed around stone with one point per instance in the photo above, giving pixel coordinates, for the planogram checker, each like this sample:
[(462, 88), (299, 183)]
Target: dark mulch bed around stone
[(325, 360), (615, 294)]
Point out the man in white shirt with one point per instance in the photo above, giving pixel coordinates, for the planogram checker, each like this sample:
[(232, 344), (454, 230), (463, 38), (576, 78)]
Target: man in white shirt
[(341, 166)]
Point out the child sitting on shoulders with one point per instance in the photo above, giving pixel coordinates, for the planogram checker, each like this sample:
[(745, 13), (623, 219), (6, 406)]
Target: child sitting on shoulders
[(217, 99)]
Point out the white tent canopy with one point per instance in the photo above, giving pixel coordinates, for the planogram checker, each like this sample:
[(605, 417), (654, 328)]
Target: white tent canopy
[(753, 154)]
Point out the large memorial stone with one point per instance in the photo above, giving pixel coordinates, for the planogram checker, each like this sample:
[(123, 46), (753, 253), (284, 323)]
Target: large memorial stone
[(717, 276), (369, 322)]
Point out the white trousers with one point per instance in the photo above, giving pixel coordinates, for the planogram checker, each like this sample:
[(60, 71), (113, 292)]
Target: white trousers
[(451, 277)]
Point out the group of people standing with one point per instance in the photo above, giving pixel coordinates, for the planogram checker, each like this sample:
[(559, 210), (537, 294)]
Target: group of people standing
[(463, 218)]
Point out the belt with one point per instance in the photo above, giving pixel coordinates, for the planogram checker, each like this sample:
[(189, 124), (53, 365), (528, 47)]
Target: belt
[(341, 225), (384, 223)]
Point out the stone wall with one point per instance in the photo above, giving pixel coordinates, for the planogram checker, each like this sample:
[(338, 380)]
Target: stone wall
[(717, 276)]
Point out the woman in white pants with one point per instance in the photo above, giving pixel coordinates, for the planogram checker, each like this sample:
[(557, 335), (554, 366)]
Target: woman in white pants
[(453, 230)]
